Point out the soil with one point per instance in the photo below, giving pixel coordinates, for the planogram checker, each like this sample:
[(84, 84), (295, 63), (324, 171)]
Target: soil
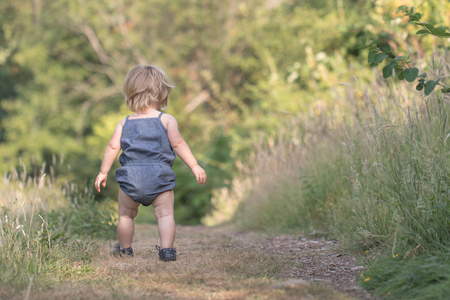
[(313, 259)]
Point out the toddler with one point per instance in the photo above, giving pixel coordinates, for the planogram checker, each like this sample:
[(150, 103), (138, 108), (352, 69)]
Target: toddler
[(149, 140)]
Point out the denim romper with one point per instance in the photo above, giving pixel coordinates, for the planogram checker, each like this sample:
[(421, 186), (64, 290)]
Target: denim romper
[(146, 160)]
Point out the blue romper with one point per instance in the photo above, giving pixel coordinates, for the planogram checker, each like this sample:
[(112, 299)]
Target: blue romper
[(146, 160)]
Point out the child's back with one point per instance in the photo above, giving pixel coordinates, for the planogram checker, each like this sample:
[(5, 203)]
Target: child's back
[(146, 160)]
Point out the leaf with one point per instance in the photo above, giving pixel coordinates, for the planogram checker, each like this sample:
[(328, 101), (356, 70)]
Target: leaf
[(387, 70), (447, 90), (429, 86), (385, 48), (403, 8), (447, 34), (439, 31), (380, 57), (423, 75), (423, 31), (411, 74), (401, 75), (419, 87), (427, 26), (372, 55), (417, 16)]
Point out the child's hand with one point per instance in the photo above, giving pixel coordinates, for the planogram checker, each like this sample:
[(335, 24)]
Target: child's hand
[(199, 174), (101, 179)]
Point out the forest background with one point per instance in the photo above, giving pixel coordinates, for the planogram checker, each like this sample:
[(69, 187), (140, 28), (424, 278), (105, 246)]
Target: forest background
[(242, 70), (291, 118)]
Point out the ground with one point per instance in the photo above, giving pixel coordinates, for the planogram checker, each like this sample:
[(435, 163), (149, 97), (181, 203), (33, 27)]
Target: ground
[(215, 263)]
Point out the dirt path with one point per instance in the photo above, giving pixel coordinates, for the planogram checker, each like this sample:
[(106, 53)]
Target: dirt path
[(221, 263), (213, 263)]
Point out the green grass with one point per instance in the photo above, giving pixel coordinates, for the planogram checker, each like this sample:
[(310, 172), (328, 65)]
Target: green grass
[(47, 230), (425, 277)]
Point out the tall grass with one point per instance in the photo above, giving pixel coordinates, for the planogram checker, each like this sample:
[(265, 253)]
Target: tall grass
[(47, 228), (372, 169)]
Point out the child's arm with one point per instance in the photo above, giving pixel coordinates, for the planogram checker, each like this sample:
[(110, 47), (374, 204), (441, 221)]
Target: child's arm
[(182, 149), (110, 155)]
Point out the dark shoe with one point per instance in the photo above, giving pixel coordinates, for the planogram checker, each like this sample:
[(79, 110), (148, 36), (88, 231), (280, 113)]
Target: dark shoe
[(117, 252), (167, 254)]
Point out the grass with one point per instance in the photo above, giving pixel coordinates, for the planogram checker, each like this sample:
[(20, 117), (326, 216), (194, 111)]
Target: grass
[(371, 170), (424, 277), (47, 230)]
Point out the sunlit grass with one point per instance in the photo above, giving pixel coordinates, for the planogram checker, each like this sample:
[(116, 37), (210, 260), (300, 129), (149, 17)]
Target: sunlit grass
[(46, 229)]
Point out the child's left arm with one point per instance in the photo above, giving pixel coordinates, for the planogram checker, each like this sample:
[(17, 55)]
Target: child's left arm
[(110, 155), (181, 148)]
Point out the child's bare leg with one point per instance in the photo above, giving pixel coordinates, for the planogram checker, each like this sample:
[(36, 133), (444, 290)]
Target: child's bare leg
[(128, 210), (163, 211)]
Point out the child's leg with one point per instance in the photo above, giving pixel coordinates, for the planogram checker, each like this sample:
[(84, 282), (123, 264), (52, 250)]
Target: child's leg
[(128, 210), (163, 211)]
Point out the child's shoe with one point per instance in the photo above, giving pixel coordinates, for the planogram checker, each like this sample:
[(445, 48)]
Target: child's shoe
[(167, 254), (117, 252)]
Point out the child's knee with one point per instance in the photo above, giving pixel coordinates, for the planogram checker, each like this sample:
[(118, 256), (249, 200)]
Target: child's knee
[(162, 214), (128, 213)]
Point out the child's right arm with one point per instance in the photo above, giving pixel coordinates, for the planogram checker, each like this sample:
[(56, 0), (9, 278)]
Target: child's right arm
[(110, 155), (182, 149)]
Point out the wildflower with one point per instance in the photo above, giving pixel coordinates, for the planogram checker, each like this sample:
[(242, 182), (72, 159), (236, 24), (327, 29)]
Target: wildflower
[(362, 275), (395, 255), (367, 279), (367, 251)]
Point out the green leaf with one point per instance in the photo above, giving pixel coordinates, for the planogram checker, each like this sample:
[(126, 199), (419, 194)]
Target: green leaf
[(447, 90), (439, 31), (401, 75), (419, 87), (387, 70), (380, 57), (403, 8), (411, 74), (423, 31), (417, 16), (372, 55), (427, 26), (447, 34), (429, 86), (423, 75), (385, 48)]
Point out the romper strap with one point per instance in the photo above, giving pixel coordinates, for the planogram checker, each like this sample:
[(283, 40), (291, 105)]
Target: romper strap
[(160, 114)]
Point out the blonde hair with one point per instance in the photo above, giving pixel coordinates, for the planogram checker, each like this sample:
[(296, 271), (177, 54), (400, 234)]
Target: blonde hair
[(146, 86)]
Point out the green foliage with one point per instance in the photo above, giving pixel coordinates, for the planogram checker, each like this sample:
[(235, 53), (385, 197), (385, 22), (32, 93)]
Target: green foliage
[(241, 69), (381, 51), (84, 218)]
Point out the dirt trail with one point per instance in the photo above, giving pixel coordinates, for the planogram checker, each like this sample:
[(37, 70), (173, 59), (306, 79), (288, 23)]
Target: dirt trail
[(213, 263), (307, 264)]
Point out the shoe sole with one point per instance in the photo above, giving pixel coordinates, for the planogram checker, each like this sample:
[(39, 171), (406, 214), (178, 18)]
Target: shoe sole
[(168, 259)]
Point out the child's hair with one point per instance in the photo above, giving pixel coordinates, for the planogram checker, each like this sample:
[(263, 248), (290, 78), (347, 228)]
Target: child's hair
[(146, 86)]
